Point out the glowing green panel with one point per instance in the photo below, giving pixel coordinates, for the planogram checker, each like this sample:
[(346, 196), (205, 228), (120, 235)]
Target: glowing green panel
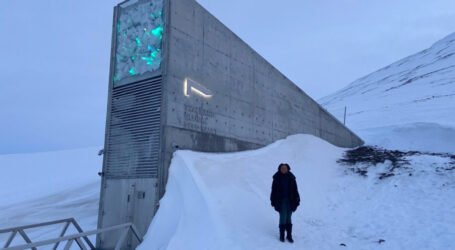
[(158, 32), (132, 72), (138, 42), (139, 39)]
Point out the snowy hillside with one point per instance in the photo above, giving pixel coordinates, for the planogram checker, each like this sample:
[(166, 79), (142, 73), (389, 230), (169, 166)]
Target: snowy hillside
[(408, 105)]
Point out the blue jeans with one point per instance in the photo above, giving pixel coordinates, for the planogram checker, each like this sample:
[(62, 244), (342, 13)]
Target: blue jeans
[(285, 212)]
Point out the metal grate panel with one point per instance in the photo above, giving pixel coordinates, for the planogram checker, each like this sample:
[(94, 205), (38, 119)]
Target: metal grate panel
[(134, 130)]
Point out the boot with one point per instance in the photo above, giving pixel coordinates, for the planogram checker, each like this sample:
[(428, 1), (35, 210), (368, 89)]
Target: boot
[(289, 233), (282, 228)]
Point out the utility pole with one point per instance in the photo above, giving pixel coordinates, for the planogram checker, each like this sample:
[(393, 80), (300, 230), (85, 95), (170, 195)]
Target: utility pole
[(344, 120)]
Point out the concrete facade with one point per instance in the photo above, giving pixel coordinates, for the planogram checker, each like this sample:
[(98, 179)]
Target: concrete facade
[(216, 94), (252, 103)]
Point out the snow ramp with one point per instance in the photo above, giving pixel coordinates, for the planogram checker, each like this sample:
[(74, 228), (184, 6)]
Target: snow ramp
[(221, 201)]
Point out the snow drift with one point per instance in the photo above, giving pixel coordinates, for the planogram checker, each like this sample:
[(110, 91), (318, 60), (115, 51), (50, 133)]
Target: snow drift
[(221, 201), (417, 136)]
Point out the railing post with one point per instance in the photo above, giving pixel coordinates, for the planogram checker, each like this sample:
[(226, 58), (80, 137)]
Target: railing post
[(79, 229), (80, 244), (26, 238), (122, 239), (10, 239), (62, 234), (135, 232), (68, 244)]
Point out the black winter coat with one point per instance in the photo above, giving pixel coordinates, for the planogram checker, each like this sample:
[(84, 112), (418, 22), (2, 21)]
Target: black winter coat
[(277, 193)]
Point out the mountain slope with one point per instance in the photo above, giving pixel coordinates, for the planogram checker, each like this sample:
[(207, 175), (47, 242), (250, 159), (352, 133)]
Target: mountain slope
[(414, 96)]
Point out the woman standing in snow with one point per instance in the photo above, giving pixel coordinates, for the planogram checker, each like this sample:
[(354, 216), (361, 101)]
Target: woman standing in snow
[(285, 198)]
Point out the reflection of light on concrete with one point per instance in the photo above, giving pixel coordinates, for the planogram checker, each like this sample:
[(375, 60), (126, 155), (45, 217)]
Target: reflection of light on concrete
[(190, 86)]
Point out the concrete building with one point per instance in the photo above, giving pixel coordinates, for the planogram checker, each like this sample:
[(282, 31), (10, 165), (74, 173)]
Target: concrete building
[(180, 79)]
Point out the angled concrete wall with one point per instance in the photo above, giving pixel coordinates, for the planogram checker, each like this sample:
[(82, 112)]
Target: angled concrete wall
[(252, 101)]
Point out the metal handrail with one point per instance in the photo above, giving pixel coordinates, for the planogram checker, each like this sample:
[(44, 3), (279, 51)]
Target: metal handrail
[(128, 227), (23, 234)]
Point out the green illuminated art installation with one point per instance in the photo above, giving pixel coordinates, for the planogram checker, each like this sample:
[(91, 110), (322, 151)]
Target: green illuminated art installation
[(139, 39)]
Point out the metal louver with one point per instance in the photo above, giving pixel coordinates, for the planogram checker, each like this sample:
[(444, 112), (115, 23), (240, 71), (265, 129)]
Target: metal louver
[(134, 130)]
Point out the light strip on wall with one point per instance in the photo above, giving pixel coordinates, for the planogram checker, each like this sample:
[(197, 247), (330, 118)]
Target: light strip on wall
[(191, 86)]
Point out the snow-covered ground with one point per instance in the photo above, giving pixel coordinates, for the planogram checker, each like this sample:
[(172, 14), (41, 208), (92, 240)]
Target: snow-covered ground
[(49, 186), (411, 102), (221, 201)]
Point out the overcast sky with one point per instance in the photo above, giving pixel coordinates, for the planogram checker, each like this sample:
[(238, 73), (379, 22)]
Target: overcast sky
[(55, 54)]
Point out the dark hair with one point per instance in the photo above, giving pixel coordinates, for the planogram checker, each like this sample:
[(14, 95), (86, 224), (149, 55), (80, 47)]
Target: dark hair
[(284, 164)]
